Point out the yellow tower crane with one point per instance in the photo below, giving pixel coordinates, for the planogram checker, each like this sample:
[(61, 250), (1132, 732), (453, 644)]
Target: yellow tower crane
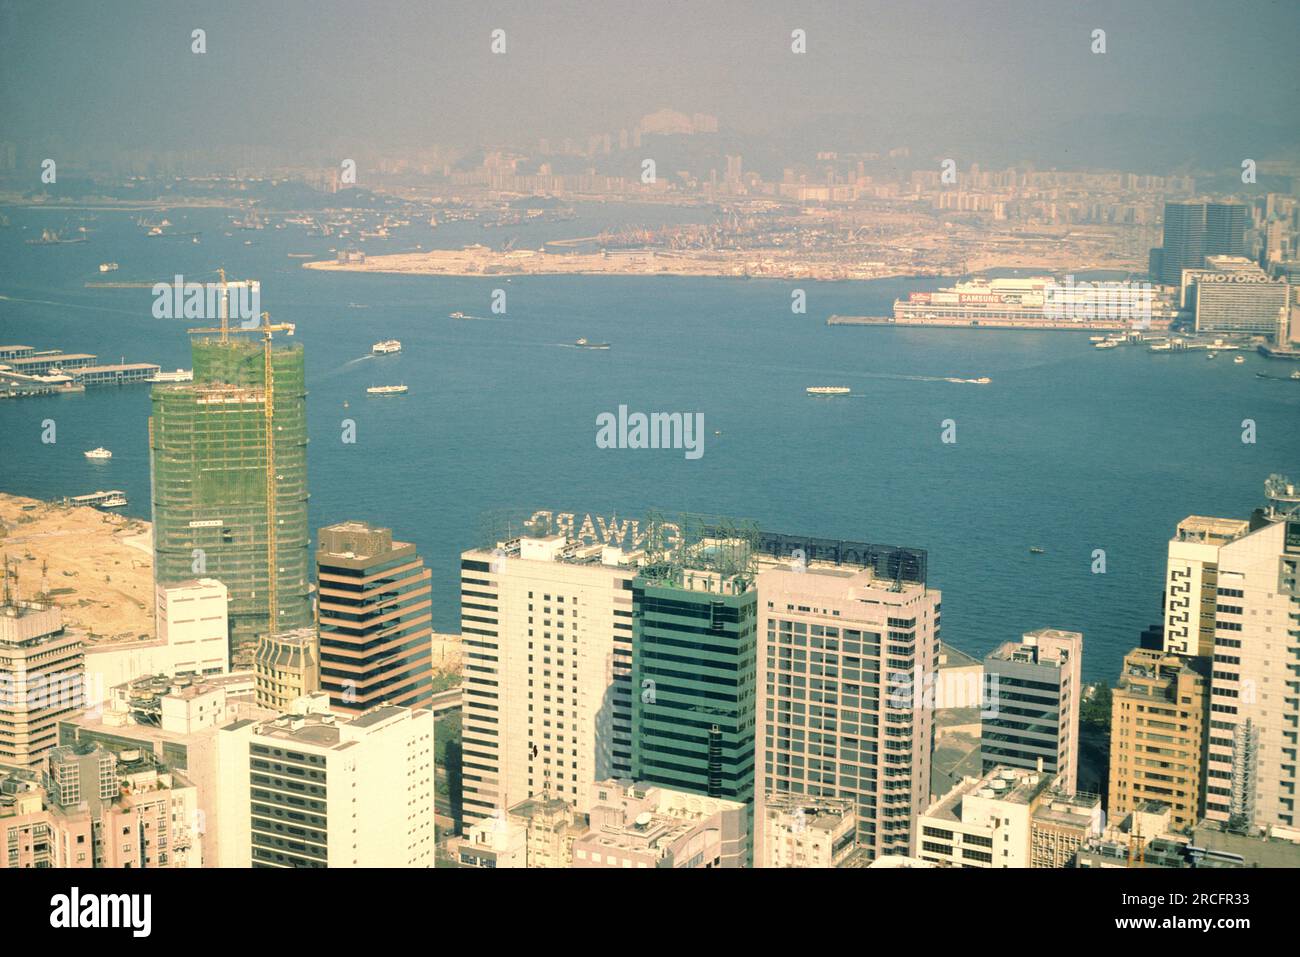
[(266, 328)]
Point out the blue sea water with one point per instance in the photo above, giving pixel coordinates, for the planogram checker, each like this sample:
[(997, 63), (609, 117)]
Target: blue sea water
[(1069, 448)]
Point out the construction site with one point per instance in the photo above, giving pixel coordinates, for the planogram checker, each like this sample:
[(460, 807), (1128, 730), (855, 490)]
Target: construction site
[(229, 455)]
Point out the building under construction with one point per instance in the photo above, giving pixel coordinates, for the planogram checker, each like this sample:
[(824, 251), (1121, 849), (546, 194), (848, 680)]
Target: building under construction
[(217, 445)]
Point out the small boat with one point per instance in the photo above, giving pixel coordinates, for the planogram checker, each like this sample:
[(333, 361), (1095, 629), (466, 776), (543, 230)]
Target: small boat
[(584, 344), (107, 267), (458, 315), (1035, 550), (99, 453), (828, 390), (1211, 355), (1238, 360), (386, 390), (386, 347)]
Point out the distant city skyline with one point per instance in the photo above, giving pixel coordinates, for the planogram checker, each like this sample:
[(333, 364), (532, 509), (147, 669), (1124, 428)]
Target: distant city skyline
[(992, 83)]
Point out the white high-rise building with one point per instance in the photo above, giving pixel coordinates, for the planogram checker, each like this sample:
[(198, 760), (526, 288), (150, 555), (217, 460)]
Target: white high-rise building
[(315, 789), (1254, 736), (1191, 575), (547, 633)]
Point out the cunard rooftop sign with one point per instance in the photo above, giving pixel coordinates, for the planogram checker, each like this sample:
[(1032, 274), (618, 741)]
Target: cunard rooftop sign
[(629, 534)]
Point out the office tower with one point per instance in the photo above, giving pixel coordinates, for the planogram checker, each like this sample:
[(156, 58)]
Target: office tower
[(1254, 691), (313, 789), (1191, 582), (983, 822), (547, 633), (1225, 229), (212, 516), (1194, 230), (693, 671), (376, 632), (1157, 736), (286, 666), (42, 667), (799, 831), (848, 653), (1036, 685)]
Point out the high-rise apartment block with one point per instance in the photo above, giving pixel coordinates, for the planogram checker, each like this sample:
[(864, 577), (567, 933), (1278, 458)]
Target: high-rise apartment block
[(315, 789), (1157, 737), (375, 619), (1036, 685), (848, 651)]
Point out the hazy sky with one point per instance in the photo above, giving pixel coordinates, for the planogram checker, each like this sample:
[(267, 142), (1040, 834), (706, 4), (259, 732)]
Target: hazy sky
[(1015, 77)]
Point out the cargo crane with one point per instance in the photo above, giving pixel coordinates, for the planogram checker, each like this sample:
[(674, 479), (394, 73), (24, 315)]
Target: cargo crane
[(266, 328)]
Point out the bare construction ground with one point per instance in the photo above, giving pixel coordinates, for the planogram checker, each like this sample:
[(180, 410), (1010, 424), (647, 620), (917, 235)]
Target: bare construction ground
[(100, 565)]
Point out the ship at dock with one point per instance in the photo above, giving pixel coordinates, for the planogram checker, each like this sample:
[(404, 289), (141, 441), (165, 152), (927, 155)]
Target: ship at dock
[(1035, 302)]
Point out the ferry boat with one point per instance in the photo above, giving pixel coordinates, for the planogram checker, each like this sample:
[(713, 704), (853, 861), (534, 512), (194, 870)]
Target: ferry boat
[(180, 375), (99, 453), (107, 267), (584, 344), (828, 390), (386, 347), (114, 499), (386, 390), (1107, 344)]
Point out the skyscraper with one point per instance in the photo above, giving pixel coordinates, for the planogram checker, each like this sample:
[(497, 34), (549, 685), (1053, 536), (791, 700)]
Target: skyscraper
[(547, 632), (375, 619), (212, 516), (1037, 683), (848, 650), (1251, 777), (693, 672), (1194, 230)]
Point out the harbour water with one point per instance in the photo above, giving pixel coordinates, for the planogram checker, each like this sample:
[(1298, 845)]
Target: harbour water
[(1067, 448)]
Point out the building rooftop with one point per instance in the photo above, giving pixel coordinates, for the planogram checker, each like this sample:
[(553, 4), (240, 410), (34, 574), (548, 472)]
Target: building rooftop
[(1013, 785), (1211, 531)]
